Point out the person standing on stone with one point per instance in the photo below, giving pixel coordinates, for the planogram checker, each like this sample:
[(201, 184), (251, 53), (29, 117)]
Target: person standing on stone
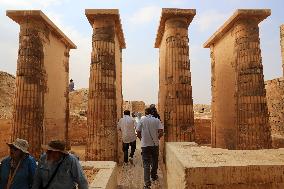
[(127, 126), (18, 169), (71, 85), (154, 111), (59, 169), (149, 131)]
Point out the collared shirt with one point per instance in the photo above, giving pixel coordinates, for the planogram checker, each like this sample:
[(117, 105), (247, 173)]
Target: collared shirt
[(149, 126), (127, 126), (69, 173), (24, 176)]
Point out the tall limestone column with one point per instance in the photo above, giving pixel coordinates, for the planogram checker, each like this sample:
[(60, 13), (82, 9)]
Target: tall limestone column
[(175, 91), (282, 45), (104, 84), (30, 86), (240, 114), (41, 79)]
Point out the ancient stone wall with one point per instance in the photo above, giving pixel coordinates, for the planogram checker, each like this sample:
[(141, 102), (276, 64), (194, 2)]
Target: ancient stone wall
[(190, 166), (138, 106), (5, 136), (175, 91), (239, 109), (282, 45), (38, 82), (56, 105), (102, 113), (275, 99), (202, 131), (127, 105), (78, 131)]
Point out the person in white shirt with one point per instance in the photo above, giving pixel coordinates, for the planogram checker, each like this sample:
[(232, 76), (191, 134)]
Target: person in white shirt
[(127, 126), (149, 131)]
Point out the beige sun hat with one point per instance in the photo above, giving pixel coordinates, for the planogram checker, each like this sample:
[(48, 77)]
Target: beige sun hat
[(20, 144), (57, 146)]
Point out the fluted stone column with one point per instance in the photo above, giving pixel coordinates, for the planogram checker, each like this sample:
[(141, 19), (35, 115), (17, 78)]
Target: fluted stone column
[(41, 81), (282, 45), (102, 104), (240, 114), (175, 91), (30, 86)]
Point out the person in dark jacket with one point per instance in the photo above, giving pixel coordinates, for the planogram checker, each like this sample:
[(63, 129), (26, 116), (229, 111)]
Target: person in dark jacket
[(18, 169)]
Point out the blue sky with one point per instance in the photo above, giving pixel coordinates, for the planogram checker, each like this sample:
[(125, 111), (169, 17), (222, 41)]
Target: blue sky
[(140, 20)]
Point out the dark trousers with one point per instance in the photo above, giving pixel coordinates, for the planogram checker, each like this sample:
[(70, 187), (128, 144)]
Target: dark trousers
[(125, 147), (150, 157)]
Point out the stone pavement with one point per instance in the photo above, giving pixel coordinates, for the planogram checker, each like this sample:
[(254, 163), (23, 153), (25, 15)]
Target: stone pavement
[(131, 176)]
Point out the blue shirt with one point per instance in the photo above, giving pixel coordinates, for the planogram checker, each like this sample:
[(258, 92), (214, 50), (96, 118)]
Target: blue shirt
[(24, 176), (69, 173)]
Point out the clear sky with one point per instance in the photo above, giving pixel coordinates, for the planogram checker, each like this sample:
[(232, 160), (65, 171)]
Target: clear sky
[(140, 20)]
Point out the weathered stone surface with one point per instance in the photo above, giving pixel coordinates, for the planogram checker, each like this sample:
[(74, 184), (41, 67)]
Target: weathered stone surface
[(239, 109), (202, 131), (175, 91), (100, 174), (105, 88), (5, 136), (41, 99), (275, 103), (7, 92), (202, 111), (134, 106), (190, 166), (282, 45)]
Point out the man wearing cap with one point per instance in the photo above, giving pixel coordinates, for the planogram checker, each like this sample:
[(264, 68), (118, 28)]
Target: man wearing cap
[(17, 170), (57, 169)]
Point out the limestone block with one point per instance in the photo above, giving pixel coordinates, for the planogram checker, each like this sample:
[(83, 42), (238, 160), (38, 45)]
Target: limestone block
[(202, 131), (193, 167), (239, 108), (105, 174)]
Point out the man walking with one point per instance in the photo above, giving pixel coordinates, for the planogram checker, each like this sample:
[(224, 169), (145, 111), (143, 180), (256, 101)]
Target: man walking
[(58, 169), (127, 126), (149, 131)]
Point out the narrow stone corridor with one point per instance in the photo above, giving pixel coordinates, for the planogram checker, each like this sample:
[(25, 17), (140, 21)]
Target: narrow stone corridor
[(131, 176)]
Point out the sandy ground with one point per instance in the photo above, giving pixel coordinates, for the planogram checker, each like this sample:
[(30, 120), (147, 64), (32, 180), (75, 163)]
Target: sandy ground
[(130, 176)]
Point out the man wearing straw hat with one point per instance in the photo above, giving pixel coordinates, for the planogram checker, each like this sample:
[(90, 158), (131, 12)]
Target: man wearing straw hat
[(17, 170), (57, 169)]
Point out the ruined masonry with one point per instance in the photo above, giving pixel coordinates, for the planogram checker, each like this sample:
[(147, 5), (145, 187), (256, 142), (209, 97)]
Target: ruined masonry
[(175, 91), (239, 108), (282, 45), (41, 100), (275, 98), (195, 167), (105, 94)]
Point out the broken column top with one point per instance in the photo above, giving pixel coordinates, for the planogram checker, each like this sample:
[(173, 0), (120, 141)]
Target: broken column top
[(259, 14), (20, 16), (168, 13), (92, 14)]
